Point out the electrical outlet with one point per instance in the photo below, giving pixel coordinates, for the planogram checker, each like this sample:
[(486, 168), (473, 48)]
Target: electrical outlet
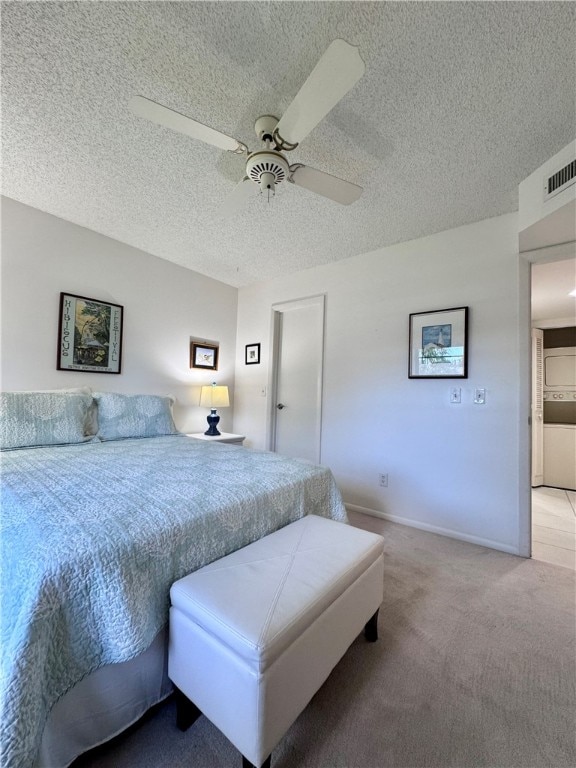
[(383, 480)]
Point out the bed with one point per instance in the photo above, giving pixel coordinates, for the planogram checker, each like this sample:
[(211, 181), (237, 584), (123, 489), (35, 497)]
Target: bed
[(93, 535)]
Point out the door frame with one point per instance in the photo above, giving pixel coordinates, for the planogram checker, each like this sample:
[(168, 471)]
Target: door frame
[(277, 310), (526, 260)]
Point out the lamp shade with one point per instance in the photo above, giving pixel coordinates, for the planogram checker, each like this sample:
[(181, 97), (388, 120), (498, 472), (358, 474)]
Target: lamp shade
[(214, 397)]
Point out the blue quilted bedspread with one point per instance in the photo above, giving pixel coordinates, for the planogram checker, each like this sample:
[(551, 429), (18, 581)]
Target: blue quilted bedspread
[(92, 537)]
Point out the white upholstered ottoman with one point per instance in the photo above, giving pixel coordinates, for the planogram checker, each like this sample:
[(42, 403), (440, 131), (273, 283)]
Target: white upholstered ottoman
[(254, 635)]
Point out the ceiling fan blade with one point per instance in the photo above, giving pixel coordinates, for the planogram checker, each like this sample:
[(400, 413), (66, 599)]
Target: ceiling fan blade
[(324, 184), (237, 199), (156, 113), (338, 70)]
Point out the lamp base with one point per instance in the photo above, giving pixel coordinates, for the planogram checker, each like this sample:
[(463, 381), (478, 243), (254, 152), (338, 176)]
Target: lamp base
[(212, 420)]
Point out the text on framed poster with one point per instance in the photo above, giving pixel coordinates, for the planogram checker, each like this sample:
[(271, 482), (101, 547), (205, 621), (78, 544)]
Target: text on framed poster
[(89, 335)]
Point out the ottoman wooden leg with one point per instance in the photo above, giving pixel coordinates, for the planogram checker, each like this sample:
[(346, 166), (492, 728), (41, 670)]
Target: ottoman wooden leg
[(186, 711), (371, 629), (247, 764)]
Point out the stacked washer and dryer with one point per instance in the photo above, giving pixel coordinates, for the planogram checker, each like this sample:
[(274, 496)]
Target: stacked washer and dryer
[(559, 385)]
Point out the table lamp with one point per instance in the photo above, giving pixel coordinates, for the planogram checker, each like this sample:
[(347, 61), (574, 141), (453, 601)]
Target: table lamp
[(213, 397)]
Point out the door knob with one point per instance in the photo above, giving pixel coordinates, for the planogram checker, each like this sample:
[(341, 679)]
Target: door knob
[(280, 406)]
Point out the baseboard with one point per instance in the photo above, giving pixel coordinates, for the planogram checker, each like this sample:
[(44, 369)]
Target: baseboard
[(436, 529)]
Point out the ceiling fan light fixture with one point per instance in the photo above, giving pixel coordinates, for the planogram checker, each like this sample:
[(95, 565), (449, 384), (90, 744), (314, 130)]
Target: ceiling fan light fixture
[(267, 182), (267, 168)]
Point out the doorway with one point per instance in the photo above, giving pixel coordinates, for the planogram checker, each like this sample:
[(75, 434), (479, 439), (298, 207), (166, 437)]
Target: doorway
[(297, 364), (553, 493)]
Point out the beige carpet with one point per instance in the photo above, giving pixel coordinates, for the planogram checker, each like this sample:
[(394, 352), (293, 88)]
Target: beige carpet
[(475, 668)]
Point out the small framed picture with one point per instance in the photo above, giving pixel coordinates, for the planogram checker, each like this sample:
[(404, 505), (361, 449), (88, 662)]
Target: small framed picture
[(89, 335), (439, 344), (252, 354), (203, 356)]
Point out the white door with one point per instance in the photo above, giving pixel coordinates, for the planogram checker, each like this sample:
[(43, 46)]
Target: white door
[(297, 390), (537, 412)]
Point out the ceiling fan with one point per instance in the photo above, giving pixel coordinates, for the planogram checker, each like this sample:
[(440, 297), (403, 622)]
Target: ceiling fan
[(337, 71)]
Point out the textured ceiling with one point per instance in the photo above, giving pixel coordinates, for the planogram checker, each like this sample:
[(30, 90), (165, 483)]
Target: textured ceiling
[(459, 103)]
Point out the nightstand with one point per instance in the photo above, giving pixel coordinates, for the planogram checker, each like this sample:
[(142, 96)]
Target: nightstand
[(223, 437)]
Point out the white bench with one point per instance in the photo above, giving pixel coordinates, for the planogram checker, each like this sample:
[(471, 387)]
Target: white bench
[(254, 635)]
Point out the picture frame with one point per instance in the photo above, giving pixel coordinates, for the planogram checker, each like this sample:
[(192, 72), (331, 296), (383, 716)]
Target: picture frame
[(252, 354), (204, 356), (89, 335), (438, 344)]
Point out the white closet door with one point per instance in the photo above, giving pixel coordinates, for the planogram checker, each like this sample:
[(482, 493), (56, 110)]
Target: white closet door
[(298, 356)]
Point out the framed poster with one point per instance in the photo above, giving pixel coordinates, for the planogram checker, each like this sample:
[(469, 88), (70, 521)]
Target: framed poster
[(438, 344), (203, 356), (89, 335), (252, 354)]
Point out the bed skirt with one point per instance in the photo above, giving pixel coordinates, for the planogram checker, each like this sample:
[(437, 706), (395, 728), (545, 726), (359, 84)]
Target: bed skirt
[(104, 704)]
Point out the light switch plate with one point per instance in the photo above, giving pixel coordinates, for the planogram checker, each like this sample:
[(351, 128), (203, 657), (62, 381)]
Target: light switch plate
[(479, 396), (455, 395)]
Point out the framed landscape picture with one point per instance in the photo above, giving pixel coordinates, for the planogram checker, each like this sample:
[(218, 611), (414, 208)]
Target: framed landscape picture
[(438, 346), (89, 335), (203, 356)]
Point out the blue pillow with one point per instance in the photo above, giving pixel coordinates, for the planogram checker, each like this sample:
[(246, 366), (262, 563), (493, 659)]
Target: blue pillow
[(43, 418), (122, 416)]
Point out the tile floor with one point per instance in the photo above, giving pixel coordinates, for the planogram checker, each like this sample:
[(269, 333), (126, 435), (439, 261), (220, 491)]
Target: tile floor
[(554, 526)]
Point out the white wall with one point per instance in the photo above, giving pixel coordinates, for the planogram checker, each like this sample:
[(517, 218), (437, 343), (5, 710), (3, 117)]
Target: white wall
[(457, 469), (164, 305)]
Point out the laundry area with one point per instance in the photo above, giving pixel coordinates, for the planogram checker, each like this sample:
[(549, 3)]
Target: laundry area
[(554, 413), (559, 412)]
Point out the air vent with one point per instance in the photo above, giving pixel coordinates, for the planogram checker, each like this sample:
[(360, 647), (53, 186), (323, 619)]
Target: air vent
[(560, 180)]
